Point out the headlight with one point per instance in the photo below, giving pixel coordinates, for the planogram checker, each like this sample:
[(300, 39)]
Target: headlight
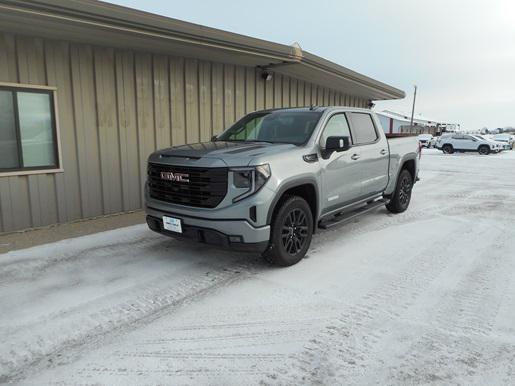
[(252, 179)]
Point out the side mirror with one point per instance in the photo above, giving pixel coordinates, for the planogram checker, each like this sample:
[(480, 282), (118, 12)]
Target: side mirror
[(213, 138), (337, 144)]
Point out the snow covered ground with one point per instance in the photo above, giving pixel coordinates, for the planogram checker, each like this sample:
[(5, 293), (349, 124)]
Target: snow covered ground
[(427, 296)]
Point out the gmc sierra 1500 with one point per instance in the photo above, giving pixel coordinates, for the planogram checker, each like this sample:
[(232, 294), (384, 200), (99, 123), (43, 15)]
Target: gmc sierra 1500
[(269, 181)]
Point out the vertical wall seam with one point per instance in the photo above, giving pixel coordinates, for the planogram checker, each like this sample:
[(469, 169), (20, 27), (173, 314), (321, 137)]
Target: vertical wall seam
[(117, 114), (223, 96), (138, 142), (75, 124), (199, 91), (184, 101), (211, 101), (103, 189), (170, 101), (154, 110)]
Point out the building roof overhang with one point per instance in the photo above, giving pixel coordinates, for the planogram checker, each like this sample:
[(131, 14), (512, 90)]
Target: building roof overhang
[(100, 23)]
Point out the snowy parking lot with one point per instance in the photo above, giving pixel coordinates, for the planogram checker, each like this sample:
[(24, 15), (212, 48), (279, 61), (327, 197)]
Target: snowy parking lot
[(427, 296)]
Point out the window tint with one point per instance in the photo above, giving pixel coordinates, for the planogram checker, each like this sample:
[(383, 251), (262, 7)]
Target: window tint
[(363, 130), (27, 130), (336, 126)]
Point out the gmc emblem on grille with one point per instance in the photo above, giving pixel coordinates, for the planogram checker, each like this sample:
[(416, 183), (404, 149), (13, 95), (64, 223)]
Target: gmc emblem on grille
[(176, 177)]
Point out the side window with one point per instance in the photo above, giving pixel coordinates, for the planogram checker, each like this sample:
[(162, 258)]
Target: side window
[(363, 129), (337, 126)]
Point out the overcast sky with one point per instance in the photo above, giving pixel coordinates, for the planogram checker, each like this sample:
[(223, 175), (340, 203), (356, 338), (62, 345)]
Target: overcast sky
[(460, 53)]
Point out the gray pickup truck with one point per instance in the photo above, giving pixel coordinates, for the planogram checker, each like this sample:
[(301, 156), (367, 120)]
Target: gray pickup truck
[(272, 179)]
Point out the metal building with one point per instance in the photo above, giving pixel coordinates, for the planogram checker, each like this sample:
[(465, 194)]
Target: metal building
[(89, 89)]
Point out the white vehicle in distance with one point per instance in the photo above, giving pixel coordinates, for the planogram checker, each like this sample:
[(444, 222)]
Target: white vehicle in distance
[(464, 142), (501, 146), (507, 139), (426, 140)]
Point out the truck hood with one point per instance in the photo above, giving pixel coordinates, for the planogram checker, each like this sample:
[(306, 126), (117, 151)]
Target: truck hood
[(217, 154)]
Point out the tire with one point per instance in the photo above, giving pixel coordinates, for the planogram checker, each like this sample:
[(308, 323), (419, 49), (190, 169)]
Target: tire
[(291, 233), (483, 150), (401, 198), (447, 149)]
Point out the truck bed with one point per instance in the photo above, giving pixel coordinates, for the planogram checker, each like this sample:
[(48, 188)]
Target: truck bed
[(401, 147)]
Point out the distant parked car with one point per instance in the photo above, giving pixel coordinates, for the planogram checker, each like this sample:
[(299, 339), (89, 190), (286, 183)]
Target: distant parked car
[(507, 139), (462, 142), (426, 140), (501, 145)]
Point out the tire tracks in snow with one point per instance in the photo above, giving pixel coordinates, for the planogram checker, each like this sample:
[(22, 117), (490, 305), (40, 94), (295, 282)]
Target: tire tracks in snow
[(460, 344), (343, 349), (61, 337)]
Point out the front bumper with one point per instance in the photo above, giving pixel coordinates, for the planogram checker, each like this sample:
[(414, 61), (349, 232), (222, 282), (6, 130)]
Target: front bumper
[(234, 234)]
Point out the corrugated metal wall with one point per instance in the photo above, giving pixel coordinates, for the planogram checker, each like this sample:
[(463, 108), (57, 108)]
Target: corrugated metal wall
[(117, 106)]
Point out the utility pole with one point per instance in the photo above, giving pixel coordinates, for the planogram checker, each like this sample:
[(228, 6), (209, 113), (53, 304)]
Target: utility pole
[(413, 108)]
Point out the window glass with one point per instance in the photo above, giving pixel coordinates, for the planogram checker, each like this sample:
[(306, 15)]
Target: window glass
[(363, 130), (293, 127), (8, 143), (337, 126), (36, 129)]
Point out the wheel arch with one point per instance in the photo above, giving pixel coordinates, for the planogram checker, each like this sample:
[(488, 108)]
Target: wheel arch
[(305, 188)]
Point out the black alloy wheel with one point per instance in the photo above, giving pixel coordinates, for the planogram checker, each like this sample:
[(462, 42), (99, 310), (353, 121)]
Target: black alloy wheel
[(291, 232), (447, 149), (484, 150), (405, 190), (401, 197), (294, 231)]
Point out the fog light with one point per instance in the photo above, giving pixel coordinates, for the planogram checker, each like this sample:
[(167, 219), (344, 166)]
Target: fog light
[(235, 239)]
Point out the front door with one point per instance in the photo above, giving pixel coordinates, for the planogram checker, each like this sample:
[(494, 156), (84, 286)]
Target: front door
[(341, 172)]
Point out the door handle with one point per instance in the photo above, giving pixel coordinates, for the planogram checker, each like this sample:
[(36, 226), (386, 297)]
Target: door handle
[(383, 152), (355, 157)]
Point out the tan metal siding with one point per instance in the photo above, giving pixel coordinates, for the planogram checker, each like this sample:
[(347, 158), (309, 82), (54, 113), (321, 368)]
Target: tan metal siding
[(250, 90), (127, 130), (228, 95), (206, 127), (105, 85), (300, 93), (217, 84), (115, 107), (145, 114), (260, 91), (192, 101), (239, 92), (162, 101)]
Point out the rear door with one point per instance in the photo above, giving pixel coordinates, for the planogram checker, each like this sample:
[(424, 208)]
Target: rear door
[(460, 143), (373, 152), (470, 143)]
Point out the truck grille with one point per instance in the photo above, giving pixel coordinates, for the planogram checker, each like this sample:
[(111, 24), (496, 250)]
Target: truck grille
[(206, 188)]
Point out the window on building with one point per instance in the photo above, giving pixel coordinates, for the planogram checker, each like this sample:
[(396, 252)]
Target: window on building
[(28, 139), (363, 129)]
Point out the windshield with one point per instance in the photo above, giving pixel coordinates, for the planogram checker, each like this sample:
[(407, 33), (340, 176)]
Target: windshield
[(293, 127)]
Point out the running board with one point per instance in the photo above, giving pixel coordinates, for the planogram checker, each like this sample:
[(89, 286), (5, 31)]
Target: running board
[(351, 215)]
